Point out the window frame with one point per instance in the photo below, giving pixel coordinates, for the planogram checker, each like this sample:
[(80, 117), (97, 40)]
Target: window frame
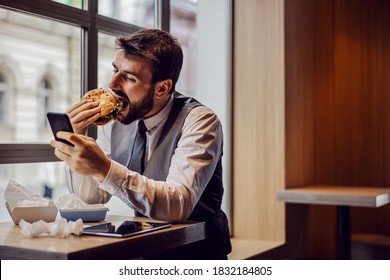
[(90, 23)]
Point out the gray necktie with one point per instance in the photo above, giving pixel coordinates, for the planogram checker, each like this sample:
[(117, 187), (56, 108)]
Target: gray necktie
[(137, 160)]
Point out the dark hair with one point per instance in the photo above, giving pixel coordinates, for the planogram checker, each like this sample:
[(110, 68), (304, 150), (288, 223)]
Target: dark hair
[(160, 48)]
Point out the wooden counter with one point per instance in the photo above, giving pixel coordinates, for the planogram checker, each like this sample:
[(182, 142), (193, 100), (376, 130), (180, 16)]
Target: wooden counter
[(13, 245), (337, 195)]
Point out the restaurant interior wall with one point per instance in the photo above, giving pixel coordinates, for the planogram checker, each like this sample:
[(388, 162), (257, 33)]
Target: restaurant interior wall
[(335, 129), (337, 117)]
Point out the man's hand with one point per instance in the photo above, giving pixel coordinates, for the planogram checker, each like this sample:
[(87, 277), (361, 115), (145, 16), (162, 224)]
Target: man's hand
[(82, 114), (85, 158)]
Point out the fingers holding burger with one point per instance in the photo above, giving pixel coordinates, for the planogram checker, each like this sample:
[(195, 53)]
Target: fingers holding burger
[(108, 102)]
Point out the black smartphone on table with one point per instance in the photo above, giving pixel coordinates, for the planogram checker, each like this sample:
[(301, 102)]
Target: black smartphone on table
[(60, 122)]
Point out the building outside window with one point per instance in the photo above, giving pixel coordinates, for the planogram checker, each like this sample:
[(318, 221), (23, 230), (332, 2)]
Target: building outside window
[(137, 12), (45, 94), (3, 105)]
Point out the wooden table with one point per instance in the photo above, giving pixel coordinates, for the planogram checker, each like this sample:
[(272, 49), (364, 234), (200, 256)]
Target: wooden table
[(343, 197), (13, 245)]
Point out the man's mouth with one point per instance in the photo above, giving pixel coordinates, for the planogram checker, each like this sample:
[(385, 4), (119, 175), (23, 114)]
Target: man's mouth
[(122, 98)]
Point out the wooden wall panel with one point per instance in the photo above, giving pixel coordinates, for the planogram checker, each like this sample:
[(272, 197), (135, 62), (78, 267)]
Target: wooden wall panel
[(359, 93), (309, 135), (337, 116), (383, 76), (258, 119), (309, 98), (322, 22), (368, 34), (299, 102)]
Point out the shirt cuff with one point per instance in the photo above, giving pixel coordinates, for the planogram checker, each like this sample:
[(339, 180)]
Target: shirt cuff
[(120, 181), (119, 177), (115, 178)]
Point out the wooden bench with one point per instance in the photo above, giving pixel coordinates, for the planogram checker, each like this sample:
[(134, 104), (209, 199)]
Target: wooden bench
[(370, 247)]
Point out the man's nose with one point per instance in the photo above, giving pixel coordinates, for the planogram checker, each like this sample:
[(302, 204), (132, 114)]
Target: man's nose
[(114, 83)]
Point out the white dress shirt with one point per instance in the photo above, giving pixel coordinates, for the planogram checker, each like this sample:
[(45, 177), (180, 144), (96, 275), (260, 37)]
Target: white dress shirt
[(196, 156)]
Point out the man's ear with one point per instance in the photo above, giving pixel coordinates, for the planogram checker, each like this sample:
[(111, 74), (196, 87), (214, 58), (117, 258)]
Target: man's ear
[(162, 88)]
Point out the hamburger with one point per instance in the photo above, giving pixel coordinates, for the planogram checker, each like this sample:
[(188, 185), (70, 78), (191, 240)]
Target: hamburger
[(110, 104)]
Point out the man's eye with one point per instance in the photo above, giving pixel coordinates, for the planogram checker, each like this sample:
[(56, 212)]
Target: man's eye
[(130, 79)]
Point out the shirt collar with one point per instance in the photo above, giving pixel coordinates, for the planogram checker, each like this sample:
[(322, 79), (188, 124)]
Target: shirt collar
[(155, 120)]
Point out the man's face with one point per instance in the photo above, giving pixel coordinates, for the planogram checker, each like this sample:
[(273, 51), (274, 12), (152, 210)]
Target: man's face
[(131, 80)]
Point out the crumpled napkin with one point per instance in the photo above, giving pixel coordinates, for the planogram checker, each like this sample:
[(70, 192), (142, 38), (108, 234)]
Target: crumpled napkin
[(72, 201), (60, 228)]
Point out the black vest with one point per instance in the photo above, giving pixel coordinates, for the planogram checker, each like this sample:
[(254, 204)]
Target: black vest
[(208, 209)]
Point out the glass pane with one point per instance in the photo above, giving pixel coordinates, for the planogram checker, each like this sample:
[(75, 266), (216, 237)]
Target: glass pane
[(202, 29), (137, 12), (45, 179), (72, 3), (183, 27), (3, 91), (106, 55), (35, 54)]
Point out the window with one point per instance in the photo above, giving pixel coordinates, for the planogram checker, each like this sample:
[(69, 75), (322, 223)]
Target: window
[(202, 27), (57, 50), (73, 3), (183, 26), (137, 12), (3, 93), (42, 58), (54, 40), (50, 47), (106, 56), (45, 93)]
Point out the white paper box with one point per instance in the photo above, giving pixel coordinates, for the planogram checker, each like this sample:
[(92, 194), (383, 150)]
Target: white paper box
[(33, 214)]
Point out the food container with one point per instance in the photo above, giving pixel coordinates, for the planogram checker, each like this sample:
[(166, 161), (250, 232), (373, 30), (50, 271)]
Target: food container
[(87, 214), (33, 214)]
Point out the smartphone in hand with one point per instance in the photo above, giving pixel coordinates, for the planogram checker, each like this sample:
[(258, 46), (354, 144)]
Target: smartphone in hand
[(60, 122)]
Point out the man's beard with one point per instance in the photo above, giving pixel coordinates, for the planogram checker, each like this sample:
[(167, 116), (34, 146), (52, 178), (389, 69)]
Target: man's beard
[(138, 110)]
